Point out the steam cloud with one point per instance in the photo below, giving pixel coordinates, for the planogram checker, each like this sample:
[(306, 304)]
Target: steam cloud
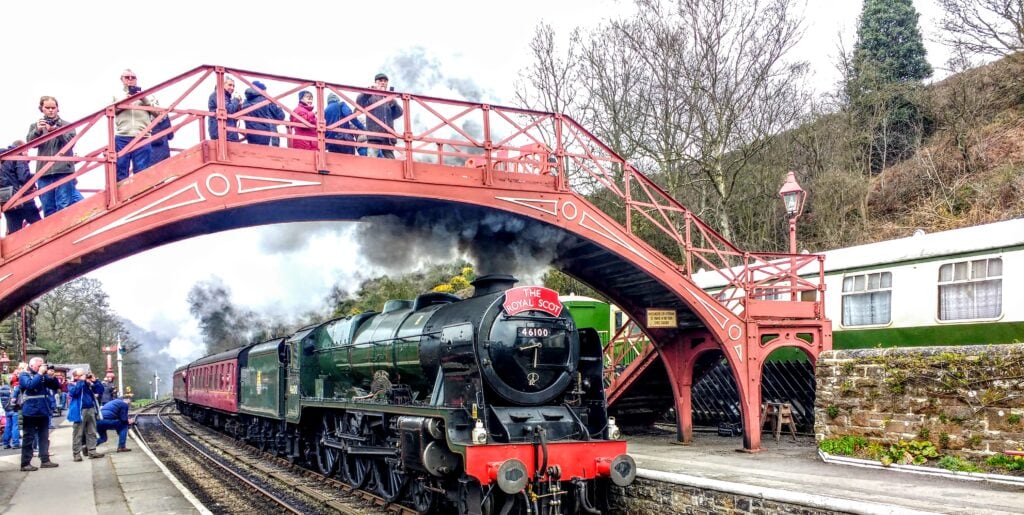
[(494, 242), (415, 70)]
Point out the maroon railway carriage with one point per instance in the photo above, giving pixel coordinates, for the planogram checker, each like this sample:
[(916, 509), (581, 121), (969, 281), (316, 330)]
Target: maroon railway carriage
[(210, 382)]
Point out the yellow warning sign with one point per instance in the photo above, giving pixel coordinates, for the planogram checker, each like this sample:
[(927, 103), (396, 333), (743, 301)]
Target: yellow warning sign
[(661, 318)]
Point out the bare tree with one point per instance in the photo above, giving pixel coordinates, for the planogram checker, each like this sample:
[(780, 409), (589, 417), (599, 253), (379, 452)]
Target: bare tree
[(689, 91), (985, 27), (739, 89), (551, 82)]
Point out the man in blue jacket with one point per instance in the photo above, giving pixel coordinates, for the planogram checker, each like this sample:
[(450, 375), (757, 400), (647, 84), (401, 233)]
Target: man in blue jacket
[(83, 392), (231, 106), (15, 174), (269, 111), (335, 111), (35, 413), (115, 416)]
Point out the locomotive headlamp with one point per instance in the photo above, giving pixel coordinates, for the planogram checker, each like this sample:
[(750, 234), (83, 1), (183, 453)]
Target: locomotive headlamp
[(613, 430), (479, 433), (511, 475)]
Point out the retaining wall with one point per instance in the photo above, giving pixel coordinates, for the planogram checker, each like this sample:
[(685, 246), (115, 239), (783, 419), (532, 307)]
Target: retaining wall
[(966, 400)]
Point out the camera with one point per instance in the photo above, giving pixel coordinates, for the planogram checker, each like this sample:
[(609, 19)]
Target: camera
[(133, 90)]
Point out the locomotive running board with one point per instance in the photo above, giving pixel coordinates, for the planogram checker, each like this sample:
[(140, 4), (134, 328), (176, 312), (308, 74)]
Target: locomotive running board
[(371, 451)]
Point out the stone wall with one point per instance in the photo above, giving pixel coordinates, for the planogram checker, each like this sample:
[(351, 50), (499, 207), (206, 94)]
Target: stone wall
[(966, 400), (647, 496)]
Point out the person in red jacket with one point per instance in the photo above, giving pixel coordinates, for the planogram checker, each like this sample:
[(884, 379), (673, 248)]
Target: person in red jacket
[(304, 111)]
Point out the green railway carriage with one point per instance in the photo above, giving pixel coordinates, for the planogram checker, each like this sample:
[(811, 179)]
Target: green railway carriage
[(593, 313), (957, 287), (262, 380)]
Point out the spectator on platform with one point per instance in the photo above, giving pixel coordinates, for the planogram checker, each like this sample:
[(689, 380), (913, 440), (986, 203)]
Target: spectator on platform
[(337, 110), (82, 412), (34, 382), (109, 389), (303, 111), (130, 123), (160, 147), (15, 174), (115, 417), (232, 104), (66, 194), (52, 388), (381, 118), (16, 375), (269, 111), (62, 394), (12, 433)]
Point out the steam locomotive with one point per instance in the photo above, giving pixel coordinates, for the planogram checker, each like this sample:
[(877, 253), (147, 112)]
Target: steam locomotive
[(492, 404)]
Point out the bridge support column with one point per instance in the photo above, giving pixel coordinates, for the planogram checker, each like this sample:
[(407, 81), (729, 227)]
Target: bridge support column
[(684, 410), (747, 372), (680, 356), (750, 405)]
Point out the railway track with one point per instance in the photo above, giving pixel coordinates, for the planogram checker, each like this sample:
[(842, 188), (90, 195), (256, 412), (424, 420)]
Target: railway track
[(259, 475)]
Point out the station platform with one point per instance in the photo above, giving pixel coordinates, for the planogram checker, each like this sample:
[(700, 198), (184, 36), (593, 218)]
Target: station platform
[(117, 483), (793, 473)]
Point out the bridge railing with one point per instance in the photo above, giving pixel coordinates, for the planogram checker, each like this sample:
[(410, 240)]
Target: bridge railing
[(627, 345), (496, 141)]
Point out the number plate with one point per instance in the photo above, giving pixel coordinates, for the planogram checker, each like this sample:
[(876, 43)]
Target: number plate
[(534, 332)]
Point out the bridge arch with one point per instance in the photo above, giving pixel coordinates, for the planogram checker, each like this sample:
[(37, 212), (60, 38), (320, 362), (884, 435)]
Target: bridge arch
[(535, 166)]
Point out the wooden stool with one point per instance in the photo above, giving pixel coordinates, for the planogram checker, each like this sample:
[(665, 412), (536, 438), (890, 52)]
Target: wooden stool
[(785, 417), (776, 414)]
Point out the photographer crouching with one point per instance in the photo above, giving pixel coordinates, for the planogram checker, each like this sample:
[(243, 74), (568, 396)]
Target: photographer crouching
[(35, 413), (83, 392), (115, 417)]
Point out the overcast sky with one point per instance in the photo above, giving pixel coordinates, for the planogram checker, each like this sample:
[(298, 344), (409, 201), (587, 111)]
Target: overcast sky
[(76, 50)]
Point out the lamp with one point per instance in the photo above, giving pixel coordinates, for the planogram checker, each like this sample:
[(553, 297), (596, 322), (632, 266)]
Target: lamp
[(4, 362), (793, 197)]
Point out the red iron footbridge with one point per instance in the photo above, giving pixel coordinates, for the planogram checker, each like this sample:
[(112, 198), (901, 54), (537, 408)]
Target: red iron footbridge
[(541, 167)]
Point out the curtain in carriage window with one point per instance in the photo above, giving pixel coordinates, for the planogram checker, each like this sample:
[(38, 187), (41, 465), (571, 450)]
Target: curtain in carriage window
[(971, 289), (867, 299)]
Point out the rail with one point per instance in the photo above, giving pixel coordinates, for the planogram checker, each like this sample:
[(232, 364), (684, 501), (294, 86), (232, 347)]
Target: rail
[(279, 503), (491, 140)]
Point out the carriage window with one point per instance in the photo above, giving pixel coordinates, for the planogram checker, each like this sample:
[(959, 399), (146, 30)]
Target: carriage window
[(971, 289), (867, 299)]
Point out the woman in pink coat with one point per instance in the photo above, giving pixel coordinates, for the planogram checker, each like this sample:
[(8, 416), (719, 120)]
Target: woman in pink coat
[(304, 111)]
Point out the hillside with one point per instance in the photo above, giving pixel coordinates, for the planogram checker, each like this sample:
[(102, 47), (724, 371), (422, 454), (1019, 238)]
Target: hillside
[(970, 167)]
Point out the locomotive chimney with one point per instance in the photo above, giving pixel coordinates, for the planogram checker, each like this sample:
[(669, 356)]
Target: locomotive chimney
[(492, 283)]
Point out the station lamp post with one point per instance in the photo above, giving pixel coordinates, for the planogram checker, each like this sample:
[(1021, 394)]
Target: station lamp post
[(793, 197)]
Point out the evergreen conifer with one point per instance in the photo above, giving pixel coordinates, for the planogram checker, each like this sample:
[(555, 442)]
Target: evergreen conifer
[(883, 83)]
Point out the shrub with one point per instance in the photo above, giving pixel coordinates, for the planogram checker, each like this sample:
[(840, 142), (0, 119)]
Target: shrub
[(906, 452), (845, 446), (833, 411), (1014, 418), (1006, 462), (957, 464)]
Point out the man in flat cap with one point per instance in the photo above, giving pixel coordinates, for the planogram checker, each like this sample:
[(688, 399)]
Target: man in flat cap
[(380, 118)]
